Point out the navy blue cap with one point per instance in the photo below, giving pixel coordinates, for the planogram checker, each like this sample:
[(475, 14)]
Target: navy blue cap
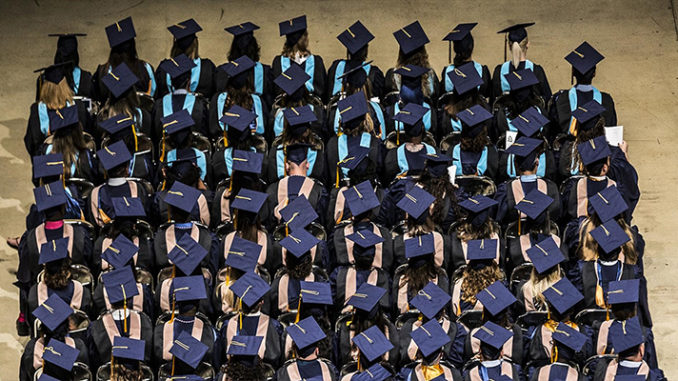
[(352, 107), (50, 195), (177, 121), (411, 114), (587, 112), (474, 115), (545, 255), (116, 123), (249, 200), (48, 165), (365, 238), (355, 37), (630, 377), (245, 345), (53, 250), (114, 155), (366, 297), (416, 201), (372, 343), (355, 73), (188, 349), (626, 335), (120, 284), (608, 203), (374, 373), (493, 334), (594, 150), (521, 79), (419, 245), (465, 78), (569, 337), (481, 249), (177, 66), (354, 158), (290, 26), (584, 58), (182, 196), (298, 213), (411, 71), (292, 79), (246, 27), (243, 254), (299, 242), (430, 337), (299, 115), (120, 32), (128, 207), (610, 236), (128, 348), (516, 33), (238, 118), (60, 354), (119, 80), (46, 377), (120, 251), (53, 73), (305, 333), (534, 204), (524, 146), (184, 32), (62, 117), (477, 204), (496, 298), (411, 37), (563, 295), (460, 31), (623, 291), (238, 66), (52, 312), (529, 121), (250, 288), (430, 300), (247, 161), (361, 198), (316, 293), (189, 288), (187, 254)]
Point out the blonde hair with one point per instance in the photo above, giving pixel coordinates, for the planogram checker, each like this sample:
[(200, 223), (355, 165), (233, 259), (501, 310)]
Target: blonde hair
[(56, 96), (538, 283), (517, 48), (366, 126), (588, 247), (227, 296)]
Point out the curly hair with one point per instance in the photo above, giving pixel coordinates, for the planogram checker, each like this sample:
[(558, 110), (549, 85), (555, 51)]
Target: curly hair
[(417, 277), (60, 279), (122, 373), (540, 282), (418, 57), (238, 371), (474, 144), (475, 281), (298, 268), (588, 247)]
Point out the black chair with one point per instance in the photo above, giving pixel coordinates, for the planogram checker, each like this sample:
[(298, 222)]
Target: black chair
[(399, 229), (532, 319), (348, 368), (471, 319), (591, 315), (512, 231), (314, 228), (166, 316), (592, 362), (167, 272), (148, 187), (204, 370), (520, 274), (287, 318), (450, 140), (342, 320), (80, 372), (407, 317), (104, 373), (146, 101), (221, 320), (475, 185)]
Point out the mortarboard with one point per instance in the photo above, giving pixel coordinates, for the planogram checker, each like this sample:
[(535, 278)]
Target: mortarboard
[(316, 293), (608, 203), (472, 117), (563, 295), (496, 298), (361, 198), (630, 377), (53, 250), (354, 159), (250, 288), (245, 345), (67, 43), (352, 107), (365, 238), (534, 204), (120, 284), (184, 32), (430, 300), (545, 255), (465, 78), (128, 348), (187, 254), (478, 208), (243, 254), (247, 161), (481, 249), (182, 196), (60, 354), (177, 121), (189, 288), (305, 333), (238, 66), (524, 147), (354, 73), (246, 27), (355, 37), (516, 33), (116, 123), (593, 150), (419, 245), (587, 114), (623, 291), (411, 37), (119, 80), (53, 73), (610, 236), (113, 155), (372, 343), (493, 334), (411, 114), (569, 337), (52, 312), (411, 71), (50, 195), (48, 165), (238, 118), (120, 32), (521, 79), (437, 164), (63, 117), (290, 26), (529, 121), (430, 337), (292, 79), (120, 251), (416, 201), (374, 373), (177, 66), (299, 242), (128, 207), (188, 349), (46, 377), (626, 335), (298, 213), (366, 297), (302, 115), (249, 200), (460, 31), (584, 58)]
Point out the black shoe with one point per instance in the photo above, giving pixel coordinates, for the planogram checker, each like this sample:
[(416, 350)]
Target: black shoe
[(22, 327)]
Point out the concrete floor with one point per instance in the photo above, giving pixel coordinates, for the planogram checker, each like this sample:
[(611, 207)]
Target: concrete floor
[(637, 38)]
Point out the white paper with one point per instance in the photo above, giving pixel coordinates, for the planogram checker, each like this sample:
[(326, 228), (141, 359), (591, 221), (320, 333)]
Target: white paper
[(510, 138), (614, 135), (452, 173)]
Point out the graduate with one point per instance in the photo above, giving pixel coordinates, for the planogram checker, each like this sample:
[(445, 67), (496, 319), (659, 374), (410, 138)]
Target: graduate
[(372, 348), (296, 50), (464, 93), (185, 41), (114, 278), (58, 361), (78, 79), (482, 271), (177, 143), (186, 172), (522, 96), (122, 127), (462, 40), (244, 362), (411, 93), (190, 359), (307, 364), (430, 339), (567, 344), (474, 154), (127, 359), (241, 258), (478, 225), (296, 218), (546, 257), (356, 39), (492, 365), (517, 42)]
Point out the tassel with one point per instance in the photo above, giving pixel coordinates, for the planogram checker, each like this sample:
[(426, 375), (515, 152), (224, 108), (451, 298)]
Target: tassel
[(337, 183), (296, 319), (136, 138), (225, 138), (573, 125), (174, 302), (112, 366), (172, 366), (162, 151), (240, 315), (124, 308), (397, 136), (519, 224), (554, 354)]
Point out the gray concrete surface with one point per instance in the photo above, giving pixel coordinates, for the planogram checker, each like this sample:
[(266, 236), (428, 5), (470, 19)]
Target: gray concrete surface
[(640, 71)]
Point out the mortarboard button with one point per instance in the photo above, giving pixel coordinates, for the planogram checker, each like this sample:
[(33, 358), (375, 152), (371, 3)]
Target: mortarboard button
[(249, 200), (187, 254), (534, 204), (460, 32), (189, 288), (50, 195), (610, 236), (419, 245), (416, 201), (521, 79), (298, 213), (361, 198), (119, 80), (48, 165), (430, 337), (120, 32), (120, 284), (493, 334), (188, 349), (52, 312), (593, 150), (608, 203), (584, 58), (355, 37), (366, 297), (545, 255), (563, 295), (177, 66), (411, 37), (299, 242), (623, 291), (182, 196), (372, 343), (120, 251), (430, 300), (250, 288), (496, 298)]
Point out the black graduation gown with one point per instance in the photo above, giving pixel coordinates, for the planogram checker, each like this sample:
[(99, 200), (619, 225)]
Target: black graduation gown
[(375, 78), (144, 259), (181, 324), (485, 88), (145, 297), (31, 361), (469, 162), (84, 88), (506, 197), (545, 89), (199, 114), (69, 294), (144, 71), (602, 368), (317, 197), (199, 233), (205, 85), (99, 344), (271, 329), (415, 162), (392, 83), (221, 211), (351, 145), (200, 212), (506, 169), (266, 91), (389, 213), (35, 137), (100, 204), (348, 352), (443, 255), (214, 126), (408, 348), (319, 76), (560, 113)]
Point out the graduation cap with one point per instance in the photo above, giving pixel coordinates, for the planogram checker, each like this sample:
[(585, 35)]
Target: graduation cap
[(119, 80), (411, 114), (374, 373), (238, 118), (184, 32), (292, 79), (46, 377), (316, 293), (120, 284), (419, 245), (361, 198), (352, 107), (478, 208), (305, 333), (299, 242), (120, 32), (529, 121), (67, 43), (608, 203), (437, 164), (365, 238), (245, 345), (610, 236), (521, 79), (430, 300), (50, 195), (63, 117), (240, 29), (182, 196), (177, 121), (114, 155), (355, 37), (298, 213), (594, 150), (366, 297), (416, 201), (545, 255), (588, 114), (372, 343), (128, 207), (53, 73), (473, 118), (481, 249), (48, 165), (60, 354), (116, 123), (238, 66), (584, 58), (188, 349), (52, 312), (247, 161), (460, 32), (249, 200), (411, 71), (355, 159), (53, 250), (493, 334), (299, 118), (525, 150), (534, 204), (563, 295), (465, 78), (629, 377), (623, 291), (189, 288), (496, 298), (250, 288), (626, 335), (293, 29), (128, 348), (411, 37), (516, 33), (354, 73), (243, 254), (569, 337), (187, 254), (430, 337), (177, 66), (120, 251)]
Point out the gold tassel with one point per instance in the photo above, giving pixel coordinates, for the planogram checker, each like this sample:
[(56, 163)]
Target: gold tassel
[(337, 183), (124, 308), (174, 302), (225, 138), (296, 319), (554, 354), (172, 366), (162, 151), (136, 138), (112, 366), (240, 315)]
